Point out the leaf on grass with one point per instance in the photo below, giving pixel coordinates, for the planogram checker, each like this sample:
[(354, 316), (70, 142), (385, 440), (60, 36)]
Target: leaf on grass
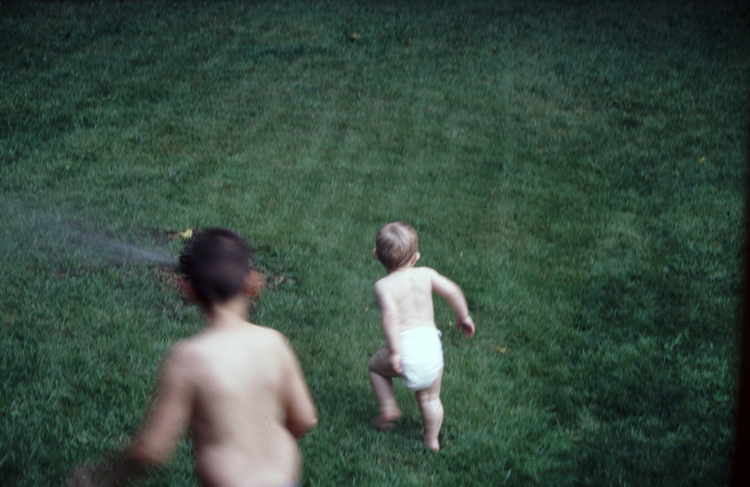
[(499, 349), (187, 233)]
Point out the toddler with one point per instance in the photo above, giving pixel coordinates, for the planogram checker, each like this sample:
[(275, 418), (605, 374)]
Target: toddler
[(414, 350)]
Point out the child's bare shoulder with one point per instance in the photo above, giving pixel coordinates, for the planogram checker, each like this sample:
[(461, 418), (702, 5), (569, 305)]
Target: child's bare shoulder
[(422, 275), (271, 341), (273, 337), (397, 282), (383, 284), (185, 349), (209, 343), (206, 357), (425, 271)]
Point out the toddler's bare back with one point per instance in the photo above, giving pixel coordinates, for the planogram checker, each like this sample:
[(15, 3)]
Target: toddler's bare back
[(407, 292)]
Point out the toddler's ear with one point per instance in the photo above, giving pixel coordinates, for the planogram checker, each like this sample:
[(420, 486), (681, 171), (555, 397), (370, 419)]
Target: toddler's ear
[(415, 258), (255, 282)]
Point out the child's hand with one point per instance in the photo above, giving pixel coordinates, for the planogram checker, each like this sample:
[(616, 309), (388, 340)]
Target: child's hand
[(395, 360), (465, 326)]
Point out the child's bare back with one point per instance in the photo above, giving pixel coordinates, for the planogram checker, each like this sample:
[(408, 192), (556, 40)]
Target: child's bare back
[(406, 296), (243, 422)]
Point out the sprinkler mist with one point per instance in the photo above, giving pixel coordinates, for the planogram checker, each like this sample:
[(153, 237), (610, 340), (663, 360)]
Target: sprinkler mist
[(33, 235), (117, 250)]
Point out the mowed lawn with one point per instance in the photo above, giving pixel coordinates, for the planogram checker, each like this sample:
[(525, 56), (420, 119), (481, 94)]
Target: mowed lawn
[(578, 168)]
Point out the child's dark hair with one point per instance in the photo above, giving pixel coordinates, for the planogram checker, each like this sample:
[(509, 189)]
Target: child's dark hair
[(216, 263)]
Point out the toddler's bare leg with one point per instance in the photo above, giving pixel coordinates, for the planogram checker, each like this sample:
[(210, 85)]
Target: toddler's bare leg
[(432, 413), (381, 373)]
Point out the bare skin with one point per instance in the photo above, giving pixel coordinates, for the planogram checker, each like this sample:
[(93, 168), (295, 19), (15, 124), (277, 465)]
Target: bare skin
[(405, 300), (240, 388)]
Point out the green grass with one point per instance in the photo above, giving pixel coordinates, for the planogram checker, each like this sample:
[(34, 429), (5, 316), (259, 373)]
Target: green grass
[(577, 169)]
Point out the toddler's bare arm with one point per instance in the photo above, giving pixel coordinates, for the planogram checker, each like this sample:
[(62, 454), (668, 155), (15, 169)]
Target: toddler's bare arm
[(389, 324), (450, 291)]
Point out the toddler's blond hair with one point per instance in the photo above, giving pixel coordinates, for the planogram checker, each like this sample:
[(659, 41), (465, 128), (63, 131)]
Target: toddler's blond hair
[(396, 244)]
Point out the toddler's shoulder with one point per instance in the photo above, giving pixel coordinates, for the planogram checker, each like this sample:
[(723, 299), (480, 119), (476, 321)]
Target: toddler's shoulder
[(383, 283), (426, 272)]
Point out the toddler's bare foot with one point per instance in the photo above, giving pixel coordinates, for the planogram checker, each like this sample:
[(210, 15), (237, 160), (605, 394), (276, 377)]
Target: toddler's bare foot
[(433, 445), (384, 422)]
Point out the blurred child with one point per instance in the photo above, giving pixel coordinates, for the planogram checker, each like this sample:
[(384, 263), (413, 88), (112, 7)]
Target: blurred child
[(237, 386), (414, 350)]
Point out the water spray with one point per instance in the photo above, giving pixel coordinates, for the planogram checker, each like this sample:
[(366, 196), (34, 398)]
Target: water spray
[(42, 236)]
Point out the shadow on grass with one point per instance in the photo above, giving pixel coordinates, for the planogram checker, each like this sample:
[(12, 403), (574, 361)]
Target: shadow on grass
[(644, 389)]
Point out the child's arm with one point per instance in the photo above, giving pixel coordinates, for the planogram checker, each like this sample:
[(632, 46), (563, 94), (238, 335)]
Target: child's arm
[(170, 412), (389, 324), (155, 442), (301, 415), (450, 291)]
